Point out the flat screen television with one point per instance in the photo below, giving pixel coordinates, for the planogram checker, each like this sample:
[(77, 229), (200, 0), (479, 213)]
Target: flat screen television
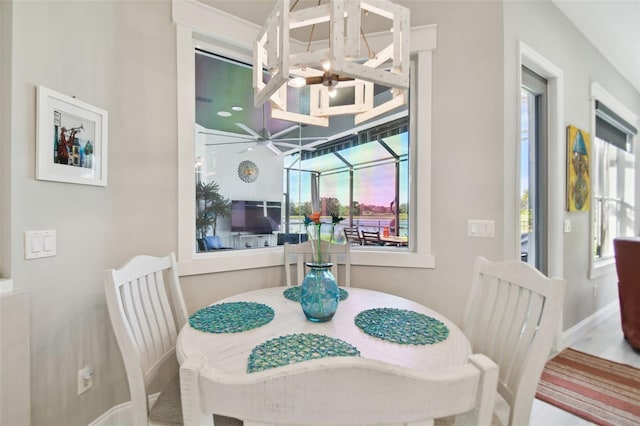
[(256, 217)]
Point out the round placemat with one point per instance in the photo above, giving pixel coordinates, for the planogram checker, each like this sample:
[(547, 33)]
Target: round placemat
[(292, 348), (293, 293), (402, 326), (231, 317)]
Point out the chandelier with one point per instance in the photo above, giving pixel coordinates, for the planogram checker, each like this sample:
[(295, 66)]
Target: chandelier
[(343, 61)]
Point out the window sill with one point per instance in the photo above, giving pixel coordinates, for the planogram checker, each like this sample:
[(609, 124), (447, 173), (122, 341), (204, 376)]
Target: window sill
[(237, 260), (602, 267)]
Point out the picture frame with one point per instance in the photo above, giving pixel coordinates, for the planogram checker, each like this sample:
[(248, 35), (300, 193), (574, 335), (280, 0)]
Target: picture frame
[(71, 140), (578, 170)]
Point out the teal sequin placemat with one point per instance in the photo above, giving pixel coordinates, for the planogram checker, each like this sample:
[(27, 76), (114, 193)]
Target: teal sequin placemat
[(402, 326), (292, 348), (293, 293), (231, 317)]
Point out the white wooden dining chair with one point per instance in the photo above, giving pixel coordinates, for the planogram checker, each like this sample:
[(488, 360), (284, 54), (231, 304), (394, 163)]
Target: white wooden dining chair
[(512, 316), (147, 310), (303, 252), (340, 391)]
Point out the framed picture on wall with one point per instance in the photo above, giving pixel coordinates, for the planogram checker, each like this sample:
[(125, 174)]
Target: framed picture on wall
[(71, 140), (578, 172)]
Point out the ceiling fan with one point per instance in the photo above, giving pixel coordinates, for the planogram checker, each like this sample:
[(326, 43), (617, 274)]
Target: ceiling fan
[(311, 76), (266, 139)]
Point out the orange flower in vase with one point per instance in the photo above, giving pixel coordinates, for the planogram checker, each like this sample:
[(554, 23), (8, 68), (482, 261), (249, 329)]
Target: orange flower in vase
[(313, 221)]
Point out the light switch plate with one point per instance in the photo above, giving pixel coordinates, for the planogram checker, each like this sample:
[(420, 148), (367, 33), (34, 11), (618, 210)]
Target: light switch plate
[(39, 244), (481, 228)]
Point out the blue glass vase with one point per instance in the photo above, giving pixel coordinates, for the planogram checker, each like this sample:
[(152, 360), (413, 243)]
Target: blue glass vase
[(319, 294)]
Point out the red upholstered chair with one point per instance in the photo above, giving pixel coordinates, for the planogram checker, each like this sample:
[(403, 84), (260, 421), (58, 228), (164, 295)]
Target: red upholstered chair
[(627, 250)]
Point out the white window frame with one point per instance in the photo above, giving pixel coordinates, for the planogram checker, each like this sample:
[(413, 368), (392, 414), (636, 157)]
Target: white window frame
[(597, 266), (230, 36)]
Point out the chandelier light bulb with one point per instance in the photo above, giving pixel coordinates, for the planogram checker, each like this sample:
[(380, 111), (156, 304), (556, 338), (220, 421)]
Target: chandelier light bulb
[(332, 91), (326, 65), (297, 82)]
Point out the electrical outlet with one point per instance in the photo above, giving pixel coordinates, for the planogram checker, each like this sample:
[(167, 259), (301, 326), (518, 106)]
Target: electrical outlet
[(85, 379), (595, 290)]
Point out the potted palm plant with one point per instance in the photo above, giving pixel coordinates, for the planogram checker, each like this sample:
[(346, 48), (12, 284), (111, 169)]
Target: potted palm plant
[(210, 205)]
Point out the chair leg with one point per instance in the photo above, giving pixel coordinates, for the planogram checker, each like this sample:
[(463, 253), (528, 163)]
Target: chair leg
[(520, 412)]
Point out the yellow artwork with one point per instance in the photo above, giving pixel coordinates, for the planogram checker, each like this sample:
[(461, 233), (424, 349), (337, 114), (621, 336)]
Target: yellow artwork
[(578, 179)]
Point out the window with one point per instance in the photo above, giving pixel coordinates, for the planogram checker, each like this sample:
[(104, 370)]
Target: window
[(613, 175), (533, 170), (200, 28), (240, 209)]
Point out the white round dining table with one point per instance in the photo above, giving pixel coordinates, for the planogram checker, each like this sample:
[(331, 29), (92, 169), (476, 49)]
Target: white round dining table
[(229, 352)]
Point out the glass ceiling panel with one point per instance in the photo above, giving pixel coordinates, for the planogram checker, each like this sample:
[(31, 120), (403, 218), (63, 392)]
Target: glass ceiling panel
[(360, 155), (291, 160), (323, 163), (366, 153), (398, 143)]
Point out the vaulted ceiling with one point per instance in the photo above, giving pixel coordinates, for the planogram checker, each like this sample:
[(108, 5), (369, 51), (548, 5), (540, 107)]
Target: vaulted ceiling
[(612, 26)]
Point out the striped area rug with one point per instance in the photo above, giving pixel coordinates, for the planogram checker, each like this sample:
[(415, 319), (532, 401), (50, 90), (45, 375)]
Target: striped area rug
[(598, 390)]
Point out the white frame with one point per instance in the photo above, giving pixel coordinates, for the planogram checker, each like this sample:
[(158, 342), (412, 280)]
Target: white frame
[(556, 139), (232, 37), (71, 110)]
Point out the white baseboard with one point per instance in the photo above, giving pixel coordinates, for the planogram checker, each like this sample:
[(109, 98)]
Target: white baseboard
[(119, 415), (574, 334)]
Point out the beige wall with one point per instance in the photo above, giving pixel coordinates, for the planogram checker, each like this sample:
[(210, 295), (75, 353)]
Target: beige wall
[(120, 56), (562, 45)]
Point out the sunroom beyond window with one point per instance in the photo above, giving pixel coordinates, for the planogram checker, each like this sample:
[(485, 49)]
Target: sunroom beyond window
[(256, 176), (363, 178)]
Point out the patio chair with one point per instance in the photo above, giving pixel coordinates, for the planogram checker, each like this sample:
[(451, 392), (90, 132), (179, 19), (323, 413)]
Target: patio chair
[(352, 236), (371, 238)]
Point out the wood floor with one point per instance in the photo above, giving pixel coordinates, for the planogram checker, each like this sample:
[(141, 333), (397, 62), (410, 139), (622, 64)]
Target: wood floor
[(606, 341)]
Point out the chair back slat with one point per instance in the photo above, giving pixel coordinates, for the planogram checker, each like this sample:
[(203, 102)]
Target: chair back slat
[(529, 327), (164, 316), (511, 316), (135, 321), (150, 319), (502, 310), (500, 352)]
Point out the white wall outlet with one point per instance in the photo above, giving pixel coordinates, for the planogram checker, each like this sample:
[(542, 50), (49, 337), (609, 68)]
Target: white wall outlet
[(85, 379), (567, 225)]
